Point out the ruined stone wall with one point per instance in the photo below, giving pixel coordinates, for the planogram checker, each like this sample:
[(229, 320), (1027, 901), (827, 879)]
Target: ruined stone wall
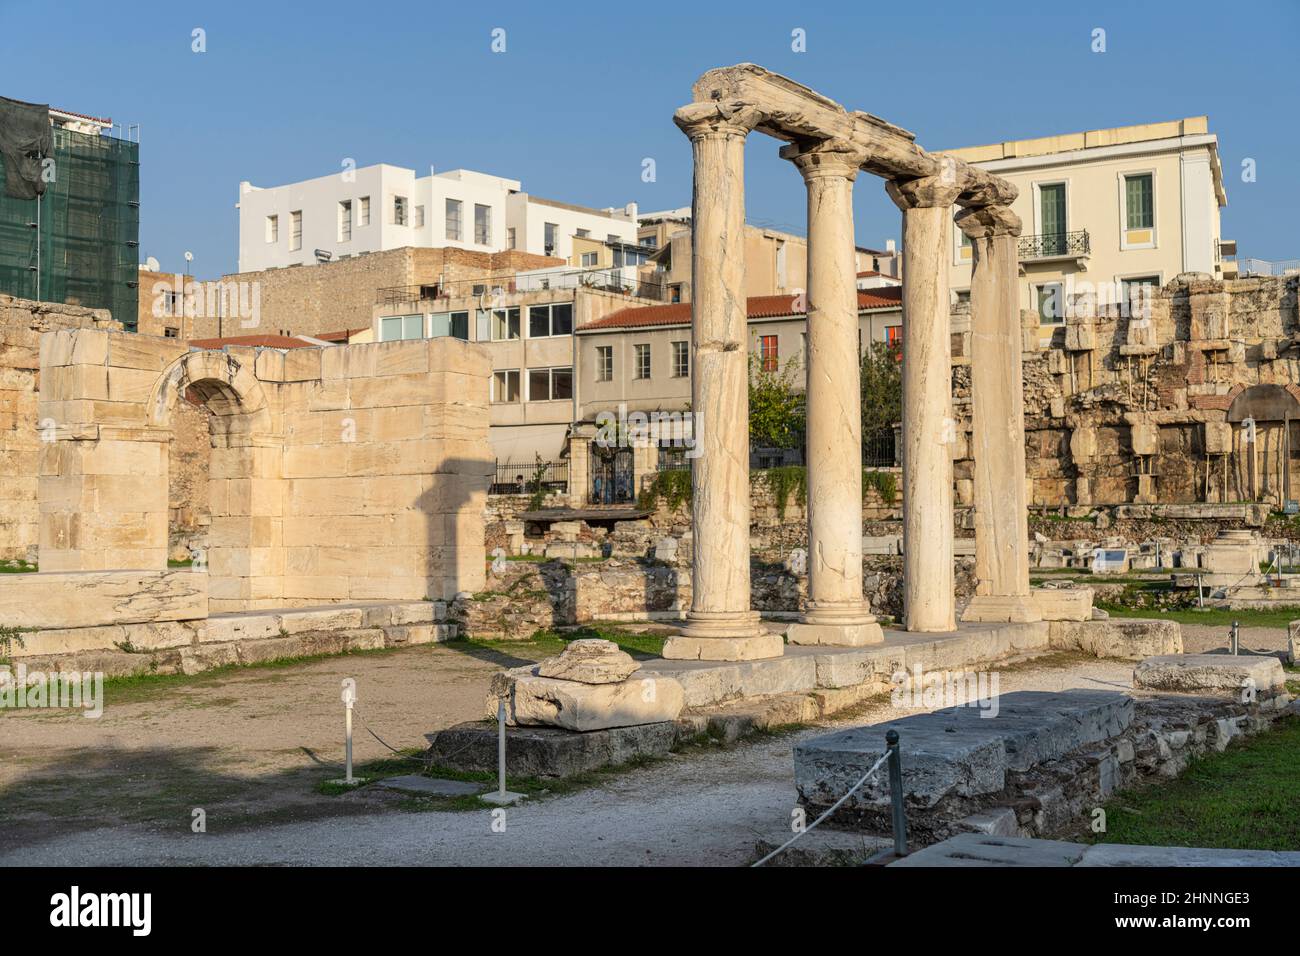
[(21, 323), (1132, 408)]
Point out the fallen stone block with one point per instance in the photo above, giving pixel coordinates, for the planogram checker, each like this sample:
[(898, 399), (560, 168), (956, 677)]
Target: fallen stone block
[(548, 751), (590, 661), (1064, 604), (72, 599), (1215, 673), (544, 701), (1129, 640)]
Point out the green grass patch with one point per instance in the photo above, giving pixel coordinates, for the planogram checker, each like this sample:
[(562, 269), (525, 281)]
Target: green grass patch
[(549, 643), (1215, 617), (17, 566), (1243, 798), (184, 563)]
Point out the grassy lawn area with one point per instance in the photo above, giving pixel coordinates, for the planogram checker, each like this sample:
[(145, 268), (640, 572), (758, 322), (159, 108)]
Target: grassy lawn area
[(17, 566), (1214, 617), (1244, 798), (549, 643)]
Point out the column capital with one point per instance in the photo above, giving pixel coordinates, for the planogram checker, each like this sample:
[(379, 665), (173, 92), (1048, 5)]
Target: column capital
[(925, 192), (826, 158), (698, 120), (981, 222)]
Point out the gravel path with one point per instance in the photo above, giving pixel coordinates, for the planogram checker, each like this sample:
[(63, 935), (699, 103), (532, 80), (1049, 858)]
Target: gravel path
[(704, 808)]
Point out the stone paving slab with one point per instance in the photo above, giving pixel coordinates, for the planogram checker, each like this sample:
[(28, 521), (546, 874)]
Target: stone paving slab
[(957, 751), (976, 849), (430, 786)]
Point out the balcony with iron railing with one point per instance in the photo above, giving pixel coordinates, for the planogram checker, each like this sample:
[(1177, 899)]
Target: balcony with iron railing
[(1056, 245)]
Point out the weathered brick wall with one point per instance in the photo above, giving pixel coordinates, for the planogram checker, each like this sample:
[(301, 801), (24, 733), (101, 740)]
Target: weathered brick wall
[(328, 297), (21, 323)]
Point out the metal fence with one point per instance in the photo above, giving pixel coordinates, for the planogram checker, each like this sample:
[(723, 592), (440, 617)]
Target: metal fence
[(1263, 267), (522, 477)]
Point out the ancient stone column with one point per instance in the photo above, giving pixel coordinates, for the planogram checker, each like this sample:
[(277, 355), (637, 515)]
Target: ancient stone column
[(997, 420), (836, 612), (720, 624), (929, 602)]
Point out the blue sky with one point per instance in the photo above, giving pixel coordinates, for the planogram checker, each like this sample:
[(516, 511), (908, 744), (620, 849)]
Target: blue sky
[(580, 98)]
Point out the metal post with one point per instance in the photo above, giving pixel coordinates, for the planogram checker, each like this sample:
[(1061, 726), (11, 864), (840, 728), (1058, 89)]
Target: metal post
[(1236, 636), (501, 748), (349, 698), (896, 793)]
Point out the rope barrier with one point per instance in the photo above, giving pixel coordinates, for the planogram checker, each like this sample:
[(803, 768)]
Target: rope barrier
[(834, 806)]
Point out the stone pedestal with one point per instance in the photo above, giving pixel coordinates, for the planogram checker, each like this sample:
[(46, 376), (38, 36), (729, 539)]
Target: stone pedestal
[(836, 612), (928, 425), (720, 624)]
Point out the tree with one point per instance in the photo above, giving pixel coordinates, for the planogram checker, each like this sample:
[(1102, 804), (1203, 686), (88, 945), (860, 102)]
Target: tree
[(776, 404), (882, 389)]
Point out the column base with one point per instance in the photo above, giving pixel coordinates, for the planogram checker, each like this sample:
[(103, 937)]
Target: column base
[(682, 647), (1002, 609), (839, 635)]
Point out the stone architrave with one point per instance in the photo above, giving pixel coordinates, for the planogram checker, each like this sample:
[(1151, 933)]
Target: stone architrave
[(720, 625), (836, 612), (929, 429), (998, 421)]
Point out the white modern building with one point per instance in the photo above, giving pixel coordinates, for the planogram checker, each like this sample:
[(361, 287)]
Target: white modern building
[(387, 207)]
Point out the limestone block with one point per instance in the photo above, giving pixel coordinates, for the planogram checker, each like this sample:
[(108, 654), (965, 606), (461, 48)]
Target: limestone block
[(1218, 438), (1122, 639), (66, 599), (590, 661), (226, 628), (320, 619), (1220, 673), (1145, 438), (576, 706), (1083, 444)]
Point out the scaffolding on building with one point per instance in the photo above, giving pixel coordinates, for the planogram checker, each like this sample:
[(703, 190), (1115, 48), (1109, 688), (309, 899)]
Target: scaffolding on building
[(78, 243)]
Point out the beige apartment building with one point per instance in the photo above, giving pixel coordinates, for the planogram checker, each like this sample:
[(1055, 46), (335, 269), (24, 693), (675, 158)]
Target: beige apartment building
[(1107, 211), (775, 262)]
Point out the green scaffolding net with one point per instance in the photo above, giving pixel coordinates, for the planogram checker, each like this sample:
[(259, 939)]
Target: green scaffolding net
[(85, 249)]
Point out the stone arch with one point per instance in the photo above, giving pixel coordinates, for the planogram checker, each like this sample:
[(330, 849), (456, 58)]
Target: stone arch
[(1263, 465), (245, 475), (1264, 403)]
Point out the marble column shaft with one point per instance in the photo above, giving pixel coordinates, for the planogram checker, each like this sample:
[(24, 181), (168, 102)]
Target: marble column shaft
[(836, 612), (929, 602), (997, 420), (720, 624)]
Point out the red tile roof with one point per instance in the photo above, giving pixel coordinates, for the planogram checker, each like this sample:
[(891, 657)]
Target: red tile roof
[(253, 341), (759, 307)]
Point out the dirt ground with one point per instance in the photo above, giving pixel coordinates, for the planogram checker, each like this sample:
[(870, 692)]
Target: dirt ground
[(251, 747)]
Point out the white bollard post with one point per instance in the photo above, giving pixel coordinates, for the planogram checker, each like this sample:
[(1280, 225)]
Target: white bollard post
[(349, 698), (502, 797)]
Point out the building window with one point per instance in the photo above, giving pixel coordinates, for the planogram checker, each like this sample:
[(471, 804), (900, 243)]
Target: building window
[(769, 352), (1139, 210), (681, 359), (675, 292), (590, 259), (551, 238), (505, 324), (510, 237), (1051, 310), (548, 320), (610, 237), (295, 230), (419, 217), (550, 384), (399, 210), (363, 212), (505, 386), (1135, 294), (345, 221), (455, 324), (482, 224), (604, 363), (272, 228), (1052, 218), (454, 232), (171, 333), (584, 233), (397, 328), (642, 361)]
